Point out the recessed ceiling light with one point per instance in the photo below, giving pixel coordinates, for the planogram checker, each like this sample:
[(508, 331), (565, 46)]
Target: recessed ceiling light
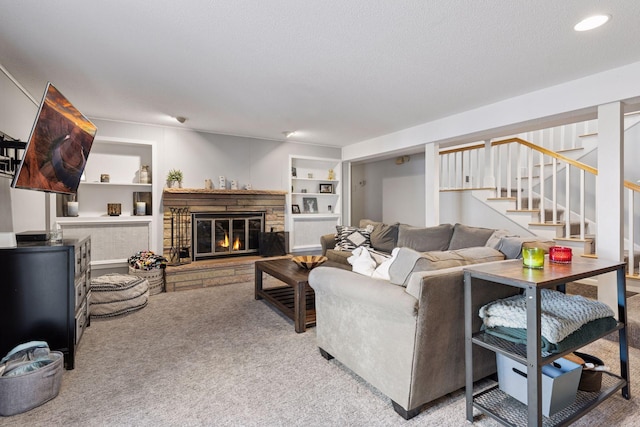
[(289, 133), (591, 22)]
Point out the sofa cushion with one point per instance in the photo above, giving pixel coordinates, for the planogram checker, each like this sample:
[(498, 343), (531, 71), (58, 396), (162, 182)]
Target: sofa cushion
[(409, 261), (348, 238), (338, 256), (496, 238), (384, 237), (465, 236), (423, 239)]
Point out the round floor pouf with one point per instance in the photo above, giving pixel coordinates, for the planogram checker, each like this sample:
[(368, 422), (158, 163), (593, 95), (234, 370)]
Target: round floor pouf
[(114, 295), (154, 276)]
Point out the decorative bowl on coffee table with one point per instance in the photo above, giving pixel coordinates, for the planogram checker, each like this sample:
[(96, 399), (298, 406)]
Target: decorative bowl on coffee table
[(309, 261)]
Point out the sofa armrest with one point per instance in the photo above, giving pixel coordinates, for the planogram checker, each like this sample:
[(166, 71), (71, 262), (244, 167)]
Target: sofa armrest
[(365, 291), (328, 241)]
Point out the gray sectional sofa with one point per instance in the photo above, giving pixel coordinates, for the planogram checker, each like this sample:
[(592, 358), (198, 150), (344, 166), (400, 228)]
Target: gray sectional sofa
[(405, 335)]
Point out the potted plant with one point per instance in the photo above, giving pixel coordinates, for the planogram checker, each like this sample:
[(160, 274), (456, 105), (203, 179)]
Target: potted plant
[(174, 178)]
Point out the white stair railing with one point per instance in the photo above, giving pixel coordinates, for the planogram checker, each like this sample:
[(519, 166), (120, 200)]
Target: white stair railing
[(467, 170)]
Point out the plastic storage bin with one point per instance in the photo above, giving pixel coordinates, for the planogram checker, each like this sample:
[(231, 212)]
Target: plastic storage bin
[(21, 393), (559, 382)]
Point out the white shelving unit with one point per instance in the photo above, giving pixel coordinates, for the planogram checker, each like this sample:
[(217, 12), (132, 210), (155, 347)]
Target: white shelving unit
[(115, 237), (317, 198)]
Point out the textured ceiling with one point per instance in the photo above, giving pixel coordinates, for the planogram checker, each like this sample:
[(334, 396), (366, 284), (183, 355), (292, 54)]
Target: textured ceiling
[(339, 71)]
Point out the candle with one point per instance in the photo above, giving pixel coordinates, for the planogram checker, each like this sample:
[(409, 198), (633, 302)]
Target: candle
[(560, 254), (72, 208), (533, 257), (141, 208)]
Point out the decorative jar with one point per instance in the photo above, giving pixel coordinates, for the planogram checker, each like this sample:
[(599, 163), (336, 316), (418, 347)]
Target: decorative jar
[(145, 177)]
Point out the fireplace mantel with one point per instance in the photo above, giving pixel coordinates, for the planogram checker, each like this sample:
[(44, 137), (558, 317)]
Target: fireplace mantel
[(183, 191)]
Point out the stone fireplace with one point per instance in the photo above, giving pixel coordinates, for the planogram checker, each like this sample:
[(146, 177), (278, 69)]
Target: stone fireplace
[(213, 211)]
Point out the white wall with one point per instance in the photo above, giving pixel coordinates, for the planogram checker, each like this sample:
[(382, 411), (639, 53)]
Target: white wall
[(389, 192), (464, 208), (20, 210)]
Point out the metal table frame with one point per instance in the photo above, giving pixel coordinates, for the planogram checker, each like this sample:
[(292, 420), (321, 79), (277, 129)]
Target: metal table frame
[(512, 273)]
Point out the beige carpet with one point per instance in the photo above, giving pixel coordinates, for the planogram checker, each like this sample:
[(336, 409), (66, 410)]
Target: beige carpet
[(217, 357)]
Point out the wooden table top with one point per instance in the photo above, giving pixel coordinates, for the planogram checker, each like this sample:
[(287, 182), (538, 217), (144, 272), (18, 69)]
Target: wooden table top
[(285, 268), (513, 273)]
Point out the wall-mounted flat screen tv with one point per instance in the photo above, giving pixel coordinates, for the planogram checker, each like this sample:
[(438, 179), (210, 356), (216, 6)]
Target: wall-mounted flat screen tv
[(58, 147)]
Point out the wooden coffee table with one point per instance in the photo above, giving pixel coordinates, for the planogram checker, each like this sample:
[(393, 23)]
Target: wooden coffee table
[(296, 299)]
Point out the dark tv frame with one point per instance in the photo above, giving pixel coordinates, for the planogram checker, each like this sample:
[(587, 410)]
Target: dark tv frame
[(58, 147)]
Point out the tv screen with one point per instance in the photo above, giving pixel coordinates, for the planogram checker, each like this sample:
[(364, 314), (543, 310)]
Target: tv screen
[(58, 147)]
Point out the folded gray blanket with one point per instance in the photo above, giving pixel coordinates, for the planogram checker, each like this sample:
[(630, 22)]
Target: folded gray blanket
[(585, 334), (561, 314)]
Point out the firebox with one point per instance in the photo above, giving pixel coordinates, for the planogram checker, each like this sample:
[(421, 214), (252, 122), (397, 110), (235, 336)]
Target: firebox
[(225, 234)]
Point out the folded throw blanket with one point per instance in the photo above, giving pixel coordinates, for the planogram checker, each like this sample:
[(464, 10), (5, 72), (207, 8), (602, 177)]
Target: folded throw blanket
[(561, 314), (586, 333)]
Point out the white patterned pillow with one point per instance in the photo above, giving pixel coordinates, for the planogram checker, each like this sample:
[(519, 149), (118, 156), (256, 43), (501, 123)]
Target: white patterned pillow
[(348, 238)]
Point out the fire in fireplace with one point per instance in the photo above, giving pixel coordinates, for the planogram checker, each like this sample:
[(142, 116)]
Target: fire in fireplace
[(226, 234)]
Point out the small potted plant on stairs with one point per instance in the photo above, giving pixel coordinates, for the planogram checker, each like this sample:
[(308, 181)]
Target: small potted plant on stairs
[(174, 178)]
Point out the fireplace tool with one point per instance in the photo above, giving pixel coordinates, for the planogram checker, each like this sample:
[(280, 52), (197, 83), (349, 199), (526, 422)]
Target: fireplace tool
[(179, 253)]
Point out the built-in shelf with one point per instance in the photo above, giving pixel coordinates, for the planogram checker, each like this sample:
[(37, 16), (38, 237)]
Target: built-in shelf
[(119, 184), (323, 209), (316, 215), (62, 220), (315, 194), (315, 179), (115, 237)]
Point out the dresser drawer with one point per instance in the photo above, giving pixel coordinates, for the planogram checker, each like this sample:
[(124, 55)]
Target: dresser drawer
[(81, 321), (80, 291)]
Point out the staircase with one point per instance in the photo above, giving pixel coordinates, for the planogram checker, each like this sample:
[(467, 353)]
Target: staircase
[(540, 191)]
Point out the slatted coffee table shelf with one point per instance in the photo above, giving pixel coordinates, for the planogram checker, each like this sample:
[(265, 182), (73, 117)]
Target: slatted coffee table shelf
[(296, 300), (283, 298)]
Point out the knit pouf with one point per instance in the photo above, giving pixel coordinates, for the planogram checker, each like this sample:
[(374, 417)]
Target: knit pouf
[(155, 277), (114, 295)]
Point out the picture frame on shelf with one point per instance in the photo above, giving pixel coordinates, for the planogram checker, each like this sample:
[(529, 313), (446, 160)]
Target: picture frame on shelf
[(310, 204), (326, 188), (295, 209), (294, 172)]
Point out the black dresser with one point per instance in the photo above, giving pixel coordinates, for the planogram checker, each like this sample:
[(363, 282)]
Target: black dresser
[(44, 295)]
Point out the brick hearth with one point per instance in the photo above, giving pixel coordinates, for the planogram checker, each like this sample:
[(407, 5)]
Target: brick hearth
[(215, 272)]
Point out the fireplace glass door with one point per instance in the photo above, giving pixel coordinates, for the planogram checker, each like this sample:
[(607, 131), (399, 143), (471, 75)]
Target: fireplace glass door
[(216, 235)]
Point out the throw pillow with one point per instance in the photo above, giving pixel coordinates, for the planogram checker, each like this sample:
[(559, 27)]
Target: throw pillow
[(511, 246), (496, 238), (370, 263), (465, 236), (384, 237), (348, 238), (382, 271), (423, 239), (362, 262)]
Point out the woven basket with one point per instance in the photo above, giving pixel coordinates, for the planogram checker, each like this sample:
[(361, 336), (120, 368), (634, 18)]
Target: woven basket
[(155, 277)]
